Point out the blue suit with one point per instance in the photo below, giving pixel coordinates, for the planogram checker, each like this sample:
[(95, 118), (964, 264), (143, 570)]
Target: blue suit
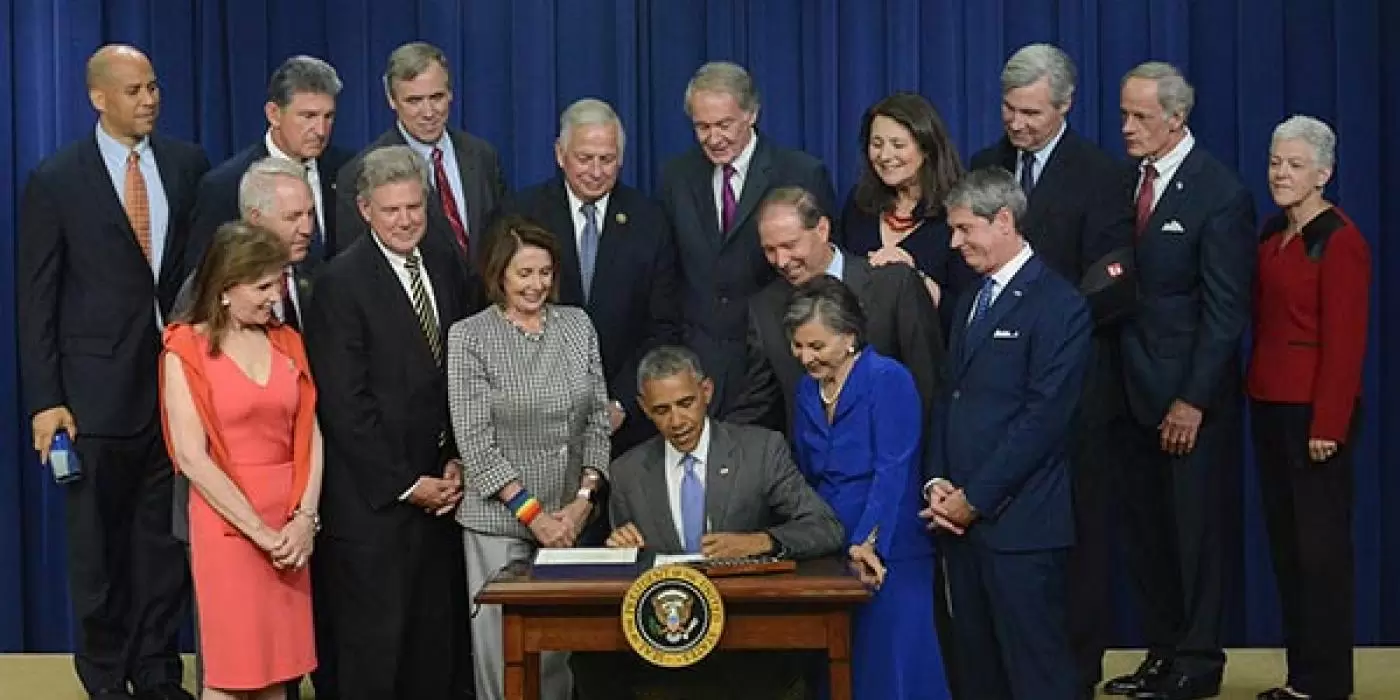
[(1001, 433), (865, 465)]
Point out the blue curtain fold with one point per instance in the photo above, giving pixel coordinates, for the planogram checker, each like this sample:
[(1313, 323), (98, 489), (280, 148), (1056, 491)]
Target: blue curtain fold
[(819, 64)]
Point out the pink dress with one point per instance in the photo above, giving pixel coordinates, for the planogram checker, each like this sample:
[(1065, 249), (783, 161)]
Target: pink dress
[(254, 621)]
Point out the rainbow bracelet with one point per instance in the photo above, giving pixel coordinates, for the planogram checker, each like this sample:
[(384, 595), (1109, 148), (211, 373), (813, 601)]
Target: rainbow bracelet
[(525, 507)]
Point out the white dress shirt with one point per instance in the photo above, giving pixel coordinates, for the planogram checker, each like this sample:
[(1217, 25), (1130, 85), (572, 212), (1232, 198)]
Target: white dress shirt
[(741, 172), (1003, 276), (1041, 157), (313, 180), (675, 473), (1166, 166), (576, 209)]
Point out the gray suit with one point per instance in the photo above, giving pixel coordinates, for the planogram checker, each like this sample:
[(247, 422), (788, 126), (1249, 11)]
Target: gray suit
[(751, 484)]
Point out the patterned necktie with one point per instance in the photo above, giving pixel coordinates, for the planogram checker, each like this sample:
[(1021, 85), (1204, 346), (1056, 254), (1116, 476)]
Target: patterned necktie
[(692, 505), (449, 203), (138, 207), (727, 200), (588, 247), (1027, 172), (984, 300), (427, 320), (316, 250), (1144, 197)]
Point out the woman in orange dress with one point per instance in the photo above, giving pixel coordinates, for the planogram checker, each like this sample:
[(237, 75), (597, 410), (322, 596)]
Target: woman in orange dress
[(239, 414)]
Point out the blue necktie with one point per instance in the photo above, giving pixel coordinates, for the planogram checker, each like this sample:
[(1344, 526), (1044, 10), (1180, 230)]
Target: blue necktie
[(588, 248), (984, 300), (692, 505), (1027, 172)]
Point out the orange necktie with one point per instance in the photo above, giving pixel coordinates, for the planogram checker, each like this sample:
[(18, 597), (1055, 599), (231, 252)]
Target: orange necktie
[(138, 207)]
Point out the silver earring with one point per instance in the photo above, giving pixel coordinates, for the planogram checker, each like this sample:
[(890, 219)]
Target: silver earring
[(851, 350), (224, 301)]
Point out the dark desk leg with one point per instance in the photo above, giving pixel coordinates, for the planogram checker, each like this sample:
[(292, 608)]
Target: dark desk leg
[(532, 675), (838, 653), (513, 651)]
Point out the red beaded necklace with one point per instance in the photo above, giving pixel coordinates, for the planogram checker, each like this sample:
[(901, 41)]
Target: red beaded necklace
[(899, 224)]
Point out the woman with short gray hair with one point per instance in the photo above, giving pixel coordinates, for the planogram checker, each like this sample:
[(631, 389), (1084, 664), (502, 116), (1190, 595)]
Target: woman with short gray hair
[(1310, 317), (856, 430)]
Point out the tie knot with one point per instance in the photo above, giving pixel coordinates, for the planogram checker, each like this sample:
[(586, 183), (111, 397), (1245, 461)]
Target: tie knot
[(729, 171), (589, 209), (1149, 172), (411, 261), (437, 155), (133, 157), (1027, 159), (688, 462)]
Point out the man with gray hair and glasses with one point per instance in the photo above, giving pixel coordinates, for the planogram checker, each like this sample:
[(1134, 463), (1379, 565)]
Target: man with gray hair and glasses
[(1079, 220), (390, 552), (1195, 256), (300, 113), (711, 195), (617, 256), (996, 451), (464, 173)]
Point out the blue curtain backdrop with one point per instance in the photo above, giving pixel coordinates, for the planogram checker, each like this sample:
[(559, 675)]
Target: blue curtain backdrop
[(818, 63)]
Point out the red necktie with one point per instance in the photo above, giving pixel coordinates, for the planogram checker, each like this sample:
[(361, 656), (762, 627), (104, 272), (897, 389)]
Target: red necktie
[(449, 202), (1144, 197)]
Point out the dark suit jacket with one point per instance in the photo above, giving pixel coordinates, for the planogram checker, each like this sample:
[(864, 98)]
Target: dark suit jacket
[(1001, 431), (382, 397), (217, 202), (86, 296), (1080, 209), (719, 272), (633, 303), (751, 485), (482, 179), (1196, 264), (900, 323)]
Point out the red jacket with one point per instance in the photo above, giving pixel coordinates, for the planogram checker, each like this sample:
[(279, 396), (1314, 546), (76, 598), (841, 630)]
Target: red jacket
[(1310, 316)]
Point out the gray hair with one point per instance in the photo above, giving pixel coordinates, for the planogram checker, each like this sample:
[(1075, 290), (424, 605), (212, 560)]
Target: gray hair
[(1176, 96), (1313, 132), (302, 74), (726, 77), (987, 191), (1036, 61), (668, 361), (388, 165), (410, 61), (590, 112), (830, 302), (808, 209), (257, 189)]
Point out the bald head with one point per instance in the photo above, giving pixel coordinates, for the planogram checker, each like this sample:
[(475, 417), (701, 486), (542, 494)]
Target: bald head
[(122, 86)]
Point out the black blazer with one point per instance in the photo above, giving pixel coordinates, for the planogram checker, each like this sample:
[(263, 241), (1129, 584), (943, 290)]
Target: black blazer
[(217, 202), (382, 398), (86, 296), (900, 323), (633, 303), (1080, 210), (1196, 261), (482, 179), (720, 272)]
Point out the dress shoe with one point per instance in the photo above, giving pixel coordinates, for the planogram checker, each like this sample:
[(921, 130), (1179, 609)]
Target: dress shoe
[(1286, 693), (111, 694), (164, 691), (1179, 686), (1152, 668)]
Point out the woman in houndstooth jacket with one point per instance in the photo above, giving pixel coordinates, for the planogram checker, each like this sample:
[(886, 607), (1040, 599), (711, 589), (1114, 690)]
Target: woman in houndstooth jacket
[(529, 411)]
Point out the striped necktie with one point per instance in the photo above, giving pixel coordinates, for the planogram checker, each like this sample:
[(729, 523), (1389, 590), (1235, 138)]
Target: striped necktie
[(427, 320)]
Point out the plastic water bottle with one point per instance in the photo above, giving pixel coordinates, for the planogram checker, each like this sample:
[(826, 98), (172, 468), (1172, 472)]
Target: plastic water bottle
[(63, 459)]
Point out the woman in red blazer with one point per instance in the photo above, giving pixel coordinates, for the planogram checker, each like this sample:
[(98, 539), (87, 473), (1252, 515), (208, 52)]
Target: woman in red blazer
[(1310, 312)]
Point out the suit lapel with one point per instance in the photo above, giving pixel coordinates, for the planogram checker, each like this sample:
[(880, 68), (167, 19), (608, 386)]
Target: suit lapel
[(1044, 192), (1005, 303), (613, 230), (1178, 189), (755, 185), (702, 187), (466, 169), (719, 477), (400, 307), (857, 275), (662, 525), (559, 217), (174, 197), (105, 192)]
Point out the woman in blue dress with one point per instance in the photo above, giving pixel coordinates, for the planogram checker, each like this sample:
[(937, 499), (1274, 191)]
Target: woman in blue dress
[(856, 433)]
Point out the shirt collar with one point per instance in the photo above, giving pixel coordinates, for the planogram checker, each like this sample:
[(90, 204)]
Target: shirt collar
[(443, 141), (1172, 160), (275, 152), (395, 260), (741, 163), (109, 145), (576, 204), (701, 452), (837, 267), (1042, 156), (1008, 271)]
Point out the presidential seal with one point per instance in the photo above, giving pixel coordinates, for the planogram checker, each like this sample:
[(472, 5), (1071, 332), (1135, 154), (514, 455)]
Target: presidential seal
[(672, 616)]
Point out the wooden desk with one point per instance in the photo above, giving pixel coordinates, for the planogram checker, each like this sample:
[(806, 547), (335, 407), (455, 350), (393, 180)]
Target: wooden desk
[(807, 609)]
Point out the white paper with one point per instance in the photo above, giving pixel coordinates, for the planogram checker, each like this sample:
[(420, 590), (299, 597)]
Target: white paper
[(586, 555), (666, 559)]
